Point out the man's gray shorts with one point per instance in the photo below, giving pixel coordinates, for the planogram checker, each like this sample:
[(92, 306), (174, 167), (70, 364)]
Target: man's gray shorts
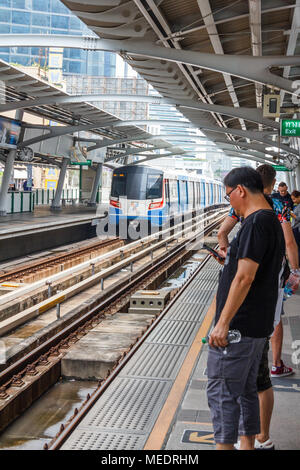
[(231, 389)]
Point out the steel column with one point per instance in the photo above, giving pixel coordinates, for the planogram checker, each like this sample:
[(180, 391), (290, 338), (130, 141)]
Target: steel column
[(298, 177), (56, 205), (97, 180), (8, 169)]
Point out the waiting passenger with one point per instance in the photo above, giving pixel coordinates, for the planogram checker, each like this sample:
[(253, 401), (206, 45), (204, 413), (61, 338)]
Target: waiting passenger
[(246, 301), (296, 218), (283, 195), (264, 385)]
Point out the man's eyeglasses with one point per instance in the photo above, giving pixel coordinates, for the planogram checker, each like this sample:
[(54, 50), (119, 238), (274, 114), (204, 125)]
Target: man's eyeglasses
[(227, 196)]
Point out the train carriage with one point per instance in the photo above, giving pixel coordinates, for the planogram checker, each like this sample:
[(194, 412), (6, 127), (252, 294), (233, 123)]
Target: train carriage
[(144, 193)]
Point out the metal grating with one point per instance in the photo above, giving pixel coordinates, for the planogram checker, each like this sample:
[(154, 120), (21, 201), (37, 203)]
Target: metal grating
[(156, 361), (197, 296), (174, 332), (91, 440), (125, 414), (207, 274), (183, 311), (128, 405)]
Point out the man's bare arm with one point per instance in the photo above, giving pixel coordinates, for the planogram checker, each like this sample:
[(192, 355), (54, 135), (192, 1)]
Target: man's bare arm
[(226, 227), (238, 291)]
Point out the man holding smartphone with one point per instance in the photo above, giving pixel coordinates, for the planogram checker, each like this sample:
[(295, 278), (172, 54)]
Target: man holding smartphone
[(246, 300)]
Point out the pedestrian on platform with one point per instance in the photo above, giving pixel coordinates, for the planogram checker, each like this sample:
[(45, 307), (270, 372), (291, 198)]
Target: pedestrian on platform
[(296, 218), (283, 195), (246, 301), (264, 384)]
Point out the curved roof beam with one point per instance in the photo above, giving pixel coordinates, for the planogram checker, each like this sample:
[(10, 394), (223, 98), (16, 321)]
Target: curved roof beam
[(249, 114), (257, 146), (55, 131), (255, 69)]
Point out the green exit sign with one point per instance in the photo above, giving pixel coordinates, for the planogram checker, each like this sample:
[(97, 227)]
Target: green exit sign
[(290, 128), (280, 168), (87, 163)]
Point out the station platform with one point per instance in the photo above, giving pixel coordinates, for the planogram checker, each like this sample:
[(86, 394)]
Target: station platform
[(161, 404), (44, 229)]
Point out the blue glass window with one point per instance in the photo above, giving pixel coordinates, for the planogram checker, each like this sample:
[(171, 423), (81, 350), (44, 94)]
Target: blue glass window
[(75, 53), (58, 7), (37, 30), (20, 59), (22, 4), (20, 29), (75, 23), (74, 66), (59, 21), (5, 16), (5, 3), (41, 5), (38, 19), (21, 17), (4, 57), (4, 28)]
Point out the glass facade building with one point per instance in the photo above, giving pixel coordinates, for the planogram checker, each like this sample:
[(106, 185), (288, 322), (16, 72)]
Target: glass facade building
[(50, 17)]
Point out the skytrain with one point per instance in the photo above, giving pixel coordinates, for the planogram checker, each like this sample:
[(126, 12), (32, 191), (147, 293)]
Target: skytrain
[(143, 193)]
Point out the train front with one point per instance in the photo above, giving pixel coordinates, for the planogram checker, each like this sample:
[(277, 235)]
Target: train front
[(136, 200)]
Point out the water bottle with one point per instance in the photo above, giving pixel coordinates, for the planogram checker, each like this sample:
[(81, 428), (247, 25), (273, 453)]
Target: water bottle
[(292, 284), (234, 336)]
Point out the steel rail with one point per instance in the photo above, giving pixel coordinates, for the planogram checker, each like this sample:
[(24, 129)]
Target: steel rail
[(51, 261), (58, 441), (123, 286)]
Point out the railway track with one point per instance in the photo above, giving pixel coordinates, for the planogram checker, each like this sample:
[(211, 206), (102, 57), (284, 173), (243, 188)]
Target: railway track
[(56, 260), (24, 381)]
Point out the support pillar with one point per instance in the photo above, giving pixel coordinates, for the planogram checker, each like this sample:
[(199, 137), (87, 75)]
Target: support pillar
[(288, 181), (8, 169), (56, 204), (298, 177), (97, 181), (293, 182)]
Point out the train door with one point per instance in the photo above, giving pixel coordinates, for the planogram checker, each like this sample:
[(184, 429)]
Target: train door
[(191, 196), (202, 194), (183, 199), (167, 195), (207, 194)]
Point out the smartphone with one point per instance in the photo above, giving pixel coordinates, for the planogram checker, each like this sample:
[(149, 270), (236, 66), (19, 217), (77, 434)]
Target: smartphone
[(213, 252)]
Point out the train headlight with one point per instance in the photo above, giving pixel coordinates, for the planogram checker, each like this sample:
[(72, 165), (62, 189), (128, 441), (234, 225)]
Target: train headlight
[(115, 203), (156, 205)]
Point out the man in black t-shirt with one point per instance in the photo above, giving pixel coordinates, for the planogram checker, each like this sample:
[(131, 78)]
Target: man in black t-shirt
[(246, 300), (284, 196)]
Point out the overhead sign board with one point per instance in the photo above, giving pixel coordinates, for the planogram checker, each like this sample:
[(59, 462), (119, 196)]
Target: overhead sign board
[(290, 128), (280, 168), (86, 163)]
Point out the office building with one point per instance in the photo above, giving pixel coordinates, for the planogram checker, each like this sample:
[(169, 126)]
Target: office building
[(50, 17)]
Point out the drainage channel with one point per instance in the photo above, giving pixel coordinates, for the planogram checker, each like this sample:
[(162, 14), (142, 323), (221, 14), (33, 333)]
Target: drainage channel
[(42, 421)]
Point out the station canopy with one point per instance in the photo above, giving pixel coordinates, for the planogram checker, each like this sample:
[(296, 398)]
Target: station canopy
[(16, 85), (235, 32)]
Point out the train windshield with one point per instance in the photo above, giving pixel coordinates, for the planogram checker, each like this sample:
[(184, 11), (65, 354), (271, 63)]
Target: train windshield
[(137, 184), (119, 185), (154, 186)]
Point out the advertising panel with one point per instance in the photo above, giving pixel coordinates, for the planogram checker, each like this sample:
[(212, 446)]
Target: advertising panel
[(9, 133)]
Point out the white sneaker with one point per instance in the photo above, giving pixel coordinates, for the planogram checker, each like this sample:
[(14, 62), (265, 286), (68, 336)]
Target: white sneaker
[(267, 445)]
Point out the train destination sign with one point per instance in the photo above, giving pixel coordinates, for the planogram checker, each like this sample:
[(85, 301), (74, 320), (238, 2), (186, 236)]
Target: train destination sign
[(290, 128)]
